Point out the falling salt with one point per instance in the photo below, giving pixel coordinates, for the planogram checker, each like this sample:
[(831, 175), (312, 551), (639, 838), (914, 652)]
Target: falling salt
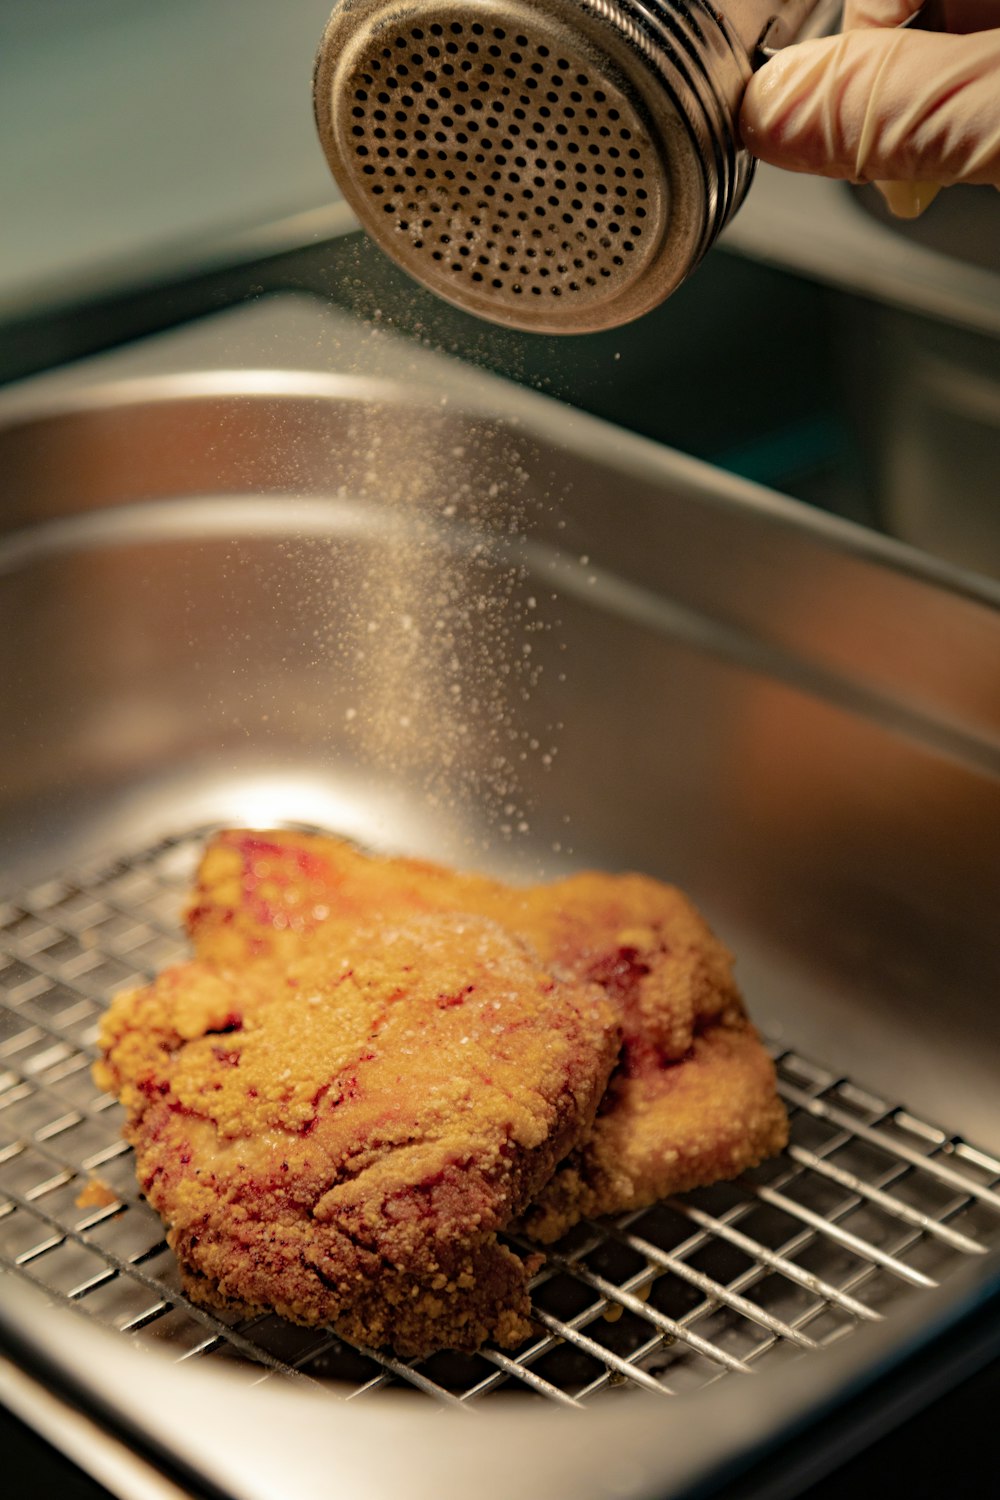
[(433, 631)]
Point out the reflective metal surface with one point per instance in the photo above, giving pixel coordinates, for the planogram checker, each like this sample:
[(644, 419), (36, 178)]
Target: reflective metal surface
[(557, 166), (862, 1208), (802, 718), (796, 721)]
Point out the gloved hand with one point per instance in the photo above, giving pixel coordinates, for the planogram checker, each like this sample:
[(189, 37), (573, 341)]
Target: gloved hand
[(881, 104)]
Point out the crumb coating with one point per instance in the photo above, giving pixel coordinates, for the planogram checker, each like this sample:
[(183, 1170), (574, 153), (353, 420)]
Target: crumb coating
[(693, 1098), (339, 1135)]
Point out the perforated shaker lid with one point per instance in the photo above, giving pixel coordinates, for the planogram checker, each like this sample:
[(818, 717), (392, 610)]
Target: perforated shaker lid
[(525, 162)]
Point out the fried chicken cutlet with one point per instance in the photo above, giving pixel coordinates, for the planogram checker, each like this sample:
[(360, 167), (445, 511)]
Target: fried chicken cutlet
[(693, 1098), (340, 1136)]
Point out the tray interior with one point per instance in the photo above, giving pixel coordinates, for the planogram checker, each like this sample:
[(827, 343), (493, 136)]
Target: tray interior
[(868, 1204), (257, 598)]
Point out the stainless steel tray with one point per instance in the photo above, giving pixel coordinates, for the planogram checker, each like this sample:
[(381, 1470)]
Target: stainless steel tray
[(264, 570)]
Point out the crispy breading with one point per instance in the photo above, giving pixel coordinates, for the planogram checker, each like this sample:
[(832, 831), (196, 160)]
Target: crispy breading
[(340, 1135), (693, 1099), (663, 1130)]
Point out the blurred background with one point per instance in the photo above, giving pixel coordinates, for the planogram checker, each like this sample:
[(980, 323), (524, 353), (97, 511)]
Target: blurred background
[(159, 161)]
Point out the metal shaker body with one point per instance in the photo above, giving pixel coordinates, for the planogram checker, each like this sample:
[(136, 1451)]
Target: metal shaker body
[(554, 165)]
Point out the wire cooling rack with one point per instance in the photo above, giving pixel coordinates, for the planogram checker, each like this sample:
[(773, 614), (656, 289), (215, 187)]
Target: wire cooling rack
[(867, 1204)]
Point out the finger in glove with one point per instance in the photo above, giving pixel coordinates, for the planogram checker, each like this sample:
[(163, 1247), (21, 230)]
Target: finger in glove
[(881, 104)]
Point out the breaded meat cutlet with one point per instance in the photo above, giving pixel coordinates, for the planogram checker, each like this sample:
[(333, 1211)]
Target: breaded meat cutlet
[(693, 1099), (340, 1137)]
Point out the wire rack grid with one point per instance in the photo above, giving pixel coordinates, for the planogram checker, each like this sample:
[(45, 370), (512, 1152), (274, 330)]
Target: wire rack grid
[(867, 1204)]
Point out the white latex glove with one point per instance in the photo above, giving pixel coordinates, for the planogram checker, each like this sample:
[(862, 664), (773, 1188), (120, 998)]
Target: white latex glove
[(910, 110)]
